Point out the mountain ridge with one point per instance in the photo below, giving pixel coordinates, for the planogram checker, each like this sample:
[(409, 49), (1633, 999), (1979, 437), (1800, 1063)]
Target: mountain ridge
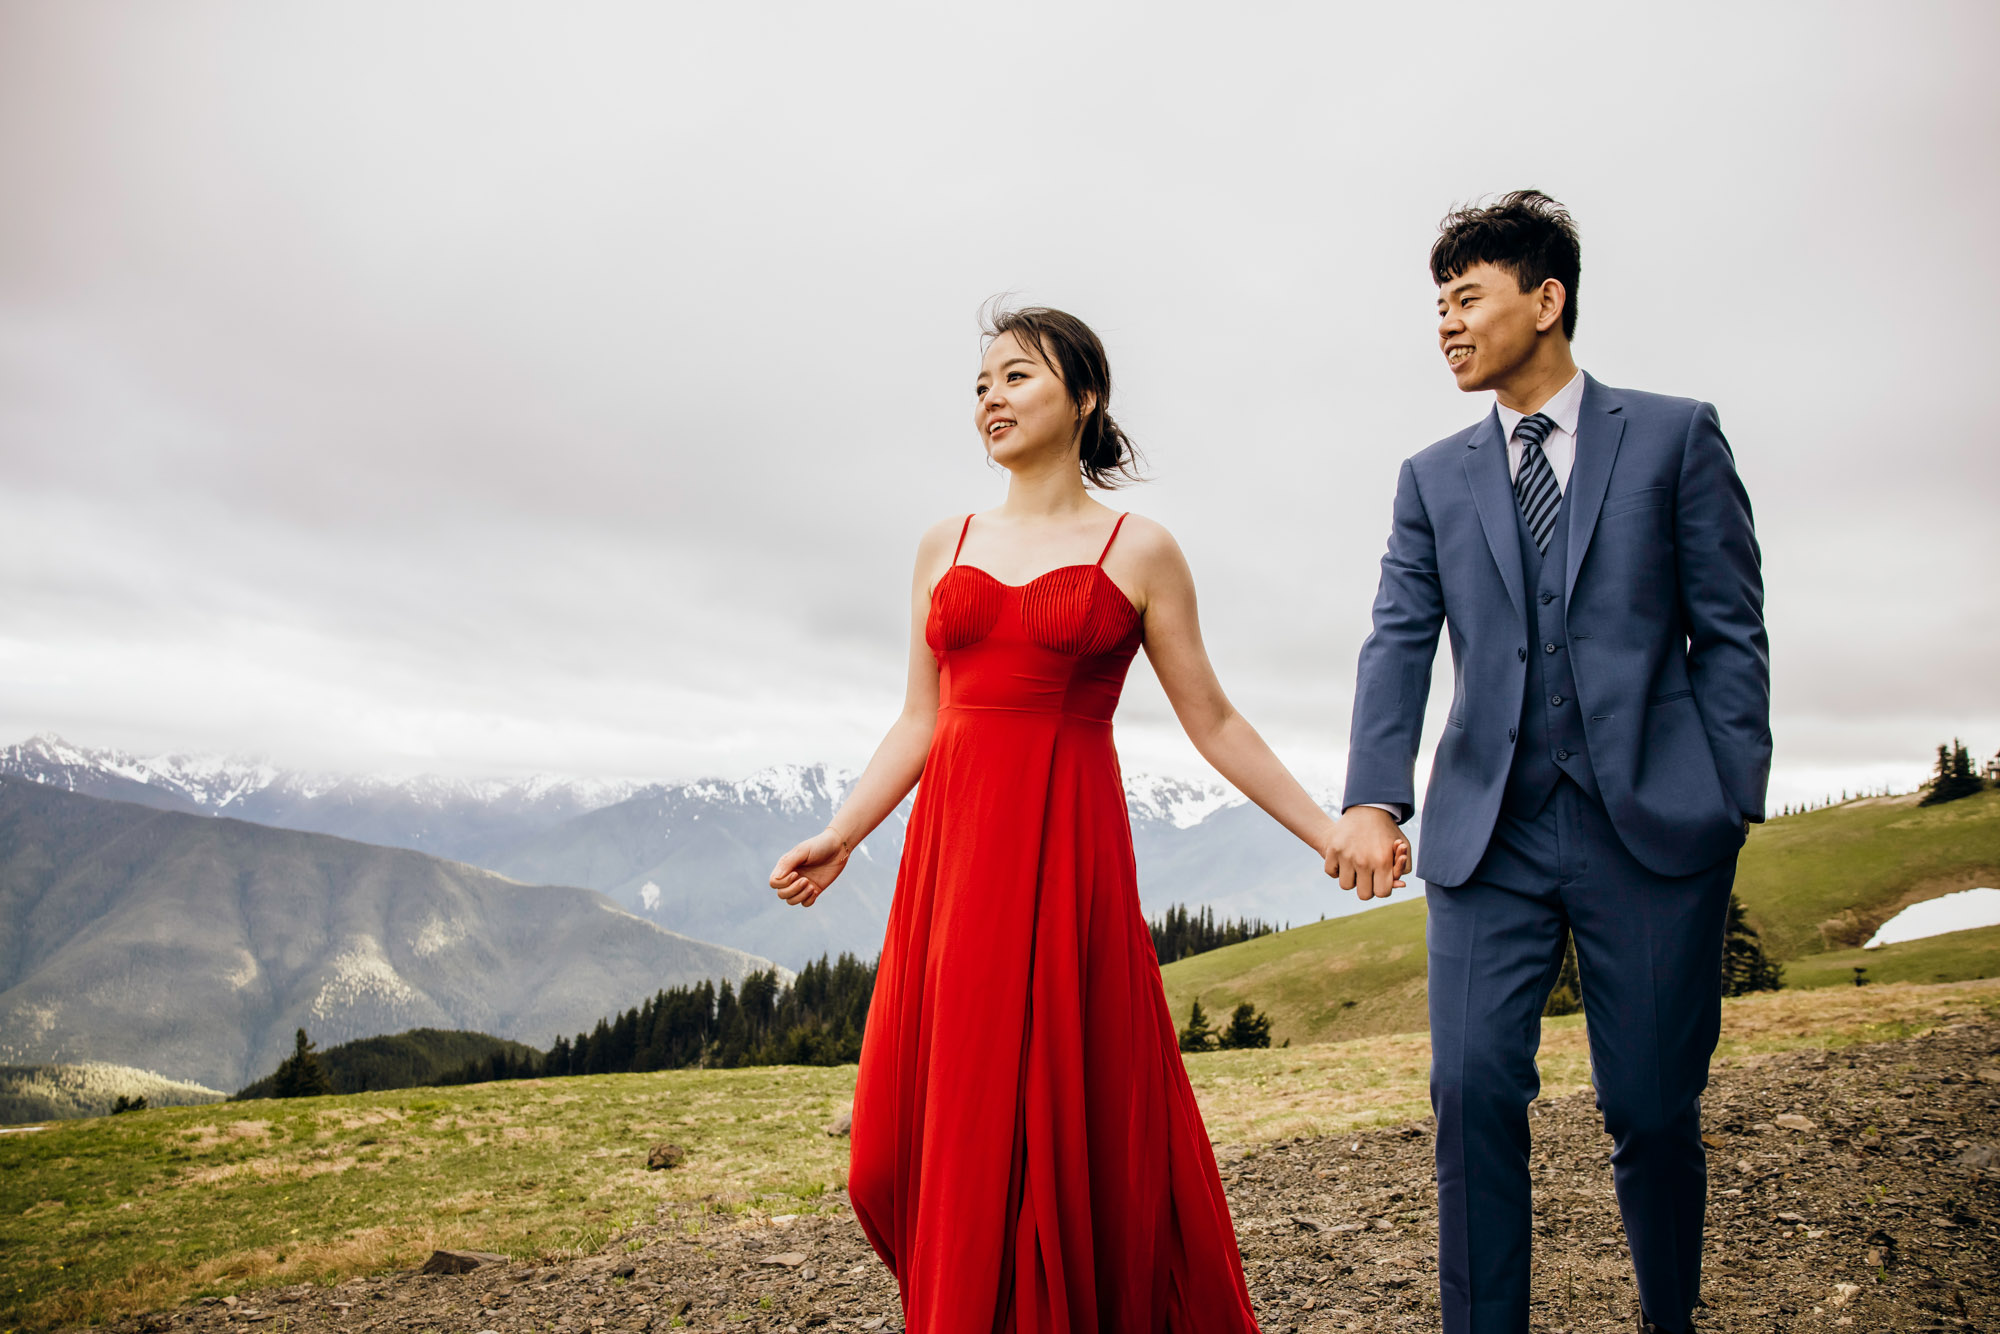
[(196, 946)]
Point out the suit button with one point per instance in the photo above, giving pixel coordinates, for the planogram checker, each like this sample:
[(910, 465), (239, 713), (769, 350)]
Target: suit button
[(1510, 734), (1524, 654), (1562, 754), (1547, 598), (1556, 700), (1548, 648)]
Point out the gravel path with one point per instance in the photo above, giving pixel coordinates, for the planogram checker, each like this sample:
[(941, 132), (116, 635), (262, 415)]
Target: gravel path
[(1852, 1190)]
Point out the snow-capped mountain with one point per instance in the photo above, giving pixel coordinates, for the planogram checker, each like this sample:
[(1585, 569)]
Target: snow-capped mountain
[(469, 820), (693, 856)]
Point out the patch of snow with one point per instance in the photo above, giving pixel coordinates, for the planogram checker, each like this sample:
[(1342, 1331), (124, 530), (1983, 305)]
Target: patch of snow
[(649, 896), (437, 936), (1962, 911), (361, 971)]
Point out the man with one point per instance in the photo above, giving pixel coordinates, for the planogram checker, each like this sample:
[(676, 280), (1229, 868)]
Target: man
[(1590, 552)]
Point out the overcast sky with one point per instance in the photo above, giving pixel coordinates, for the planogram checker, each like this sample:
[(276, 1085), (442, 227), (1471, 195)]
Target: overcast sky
[(485, 388)]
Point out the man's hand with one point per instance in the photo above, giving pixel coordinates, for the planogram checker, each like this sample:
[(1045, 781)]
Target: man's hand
[(1367, 853)]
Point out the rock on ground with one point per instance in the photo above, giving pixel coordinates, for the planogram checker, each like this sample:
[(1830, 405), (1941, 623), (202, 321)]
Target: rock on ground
[(1848, 1190)]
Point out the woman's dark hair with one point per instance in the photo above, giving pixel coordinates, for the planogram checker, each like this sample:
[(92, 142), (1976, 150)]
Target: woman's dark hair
[(1525, 232), (1106, 458)]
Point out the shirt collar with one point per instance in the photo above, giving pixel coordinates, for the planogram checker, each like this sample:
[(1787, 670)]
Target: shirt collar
[(1564, 410)]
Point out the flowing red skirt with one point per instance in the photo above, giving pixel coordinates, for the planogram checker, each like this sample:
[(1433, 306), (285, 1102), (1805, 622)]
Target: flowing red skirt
[(1027, 1153)]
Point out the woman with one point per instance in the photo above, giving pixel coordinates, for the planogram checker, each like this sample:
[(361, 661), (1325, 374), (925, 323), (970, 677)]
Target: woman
[(1027, 1152)]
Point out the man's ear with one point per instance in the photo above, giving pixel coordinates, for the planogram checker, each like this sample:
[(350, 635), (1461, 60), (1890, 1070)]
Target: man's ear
[(1552, 298)]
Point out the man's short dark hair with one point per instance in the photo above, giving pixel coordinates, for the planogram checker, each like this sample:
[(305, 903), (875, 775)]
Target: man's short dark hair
[(1525, 232)]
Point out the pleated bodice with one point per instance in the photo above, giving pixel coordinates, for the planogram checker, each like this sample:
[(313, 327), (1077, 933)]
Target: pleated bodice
[(1060, 643)]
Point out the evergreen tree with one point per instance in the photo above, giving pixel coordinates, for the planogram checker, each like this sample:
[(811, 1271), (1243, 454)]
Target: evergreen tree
[(1199, 1035), (1745, 966), (1955, 777), (1248, 1027), (1566, 997), (299, 1075), (125, 1104)]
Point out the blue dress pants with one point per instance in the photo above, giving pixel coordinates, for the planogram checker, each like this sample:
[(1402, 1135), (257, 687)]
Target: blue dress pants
[(1649, 951)]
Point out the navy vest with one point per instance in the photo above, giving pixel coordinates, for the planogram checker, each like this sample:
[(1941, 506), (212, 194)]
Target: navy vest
[(1552, 742)]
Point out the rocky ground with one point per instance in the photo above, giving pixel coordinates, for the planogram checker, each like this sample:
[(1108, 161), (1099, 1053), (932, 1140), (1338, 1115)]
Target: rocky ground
[(1854, 1189)]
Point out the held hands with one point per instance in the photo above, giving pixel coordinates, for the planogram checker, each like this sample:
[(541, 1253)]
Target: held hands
[(1368, 853), (804, 873)]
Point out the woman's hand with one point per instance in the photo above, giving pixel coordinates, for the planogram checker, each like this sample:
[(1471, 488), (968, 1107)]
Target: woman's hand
[(1400, 867), (804, 873)]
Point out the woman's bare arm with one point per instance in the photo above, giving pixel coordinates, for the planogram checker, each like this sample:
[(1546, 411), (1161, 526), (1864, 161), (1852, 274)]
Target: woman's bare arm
[(804, 873), (1224, 737)]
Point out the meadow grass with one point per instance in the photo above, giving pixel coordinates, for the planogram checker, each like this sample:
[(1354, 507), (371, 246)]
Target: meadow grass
[(130, 1212), (138, 1211)]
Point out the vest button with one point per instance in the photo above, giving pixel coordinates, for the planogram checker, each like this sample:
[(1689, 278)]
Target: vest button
[(1562, 754), (1524, 654), (1556, 700), (1510, 734), (1547, 598), (1548, 648)]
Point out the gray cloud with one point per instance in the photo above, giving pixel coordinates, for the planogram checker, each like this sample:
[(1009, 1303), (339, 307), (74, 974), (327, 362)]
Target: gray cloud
[(483, 387)]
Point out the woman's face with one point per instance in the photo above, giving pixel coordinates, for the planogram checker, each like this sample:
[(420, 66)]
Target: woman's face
[(1022, 408)]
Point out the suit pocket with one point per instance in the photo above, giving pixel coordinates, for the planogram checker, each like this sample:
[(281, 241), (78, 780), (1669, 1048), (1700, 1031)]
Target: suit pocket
[(1670, 697), (1646, 498)]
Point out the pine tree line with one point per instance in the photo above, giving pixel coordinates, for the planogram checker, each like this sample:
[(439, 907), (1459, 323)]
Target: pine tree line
[(816, 1019), (1181, 933)]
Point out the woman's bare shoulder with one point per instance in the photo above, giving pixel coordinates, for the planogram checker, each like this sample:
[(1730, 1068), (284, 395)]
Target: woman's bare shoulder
[(1146, 541), (941, 535)]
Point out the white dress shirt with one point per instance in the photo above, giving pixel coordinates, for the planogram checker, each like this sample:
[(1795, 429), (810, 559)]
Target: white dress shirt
[(1559, 447)]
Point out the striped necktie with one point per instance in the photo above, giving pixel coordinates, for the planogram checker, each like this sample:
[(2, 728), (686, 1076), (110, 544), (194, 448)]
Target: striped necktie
[(1535, 489)]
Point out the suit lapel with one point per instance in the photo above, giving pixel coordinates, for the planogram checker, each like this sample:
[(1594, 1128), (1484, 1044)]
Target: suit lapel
[(1493, 495), (1599, 429)]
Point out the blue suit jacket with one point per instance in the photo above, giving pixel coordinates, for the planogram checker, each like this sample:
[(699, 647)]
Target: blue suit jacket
[(1666, 636)]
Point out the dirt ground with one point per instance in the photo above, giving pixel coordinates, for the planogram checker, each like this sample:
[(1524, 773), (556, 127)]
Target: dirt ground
[(1857, 1189)]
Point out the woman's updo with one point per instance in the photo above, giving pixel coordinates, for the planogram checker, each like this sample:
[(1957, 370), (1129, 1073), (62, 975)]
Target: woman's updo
[(1106, 458)]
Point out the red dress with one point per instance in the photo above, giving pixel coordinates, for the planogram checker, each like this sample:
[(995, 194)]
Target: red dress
[(1027, 1154)]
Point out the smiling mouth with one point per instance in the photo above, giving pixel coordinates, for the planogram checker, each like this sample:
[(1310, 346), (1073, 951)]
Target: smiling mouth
[(994, 428), (1458, 356)]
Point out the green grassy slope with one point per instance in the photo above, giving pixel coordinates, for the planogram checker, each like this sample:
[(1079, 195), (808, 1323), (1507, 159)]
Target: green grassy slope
[(1852, 867), (1847, 869), (1305, 978), (1954, 957)]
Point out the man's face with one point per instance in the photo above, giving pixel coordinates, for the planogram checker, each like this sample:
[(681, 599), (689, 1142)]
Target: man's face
[(1488, 327)]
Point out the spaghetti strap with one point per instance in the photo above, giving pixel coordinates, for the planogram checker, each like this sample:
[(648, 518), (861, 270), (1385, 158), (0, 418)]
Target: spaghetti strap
[(961, 541), (1107, 542)]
